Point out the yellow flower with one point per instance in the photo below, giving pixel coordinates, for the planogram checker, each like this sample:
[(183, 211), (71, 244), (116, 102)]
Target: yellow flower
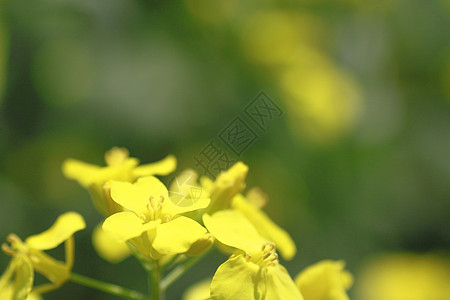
[(405, 276), (325, 280), (119, 167), (153, 223), (253, 272), (28, 257)]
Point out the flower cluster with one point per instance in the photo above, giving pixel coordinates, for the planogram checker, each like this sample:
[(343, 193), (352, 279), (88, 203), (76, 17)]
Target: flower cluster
[(168, 230)]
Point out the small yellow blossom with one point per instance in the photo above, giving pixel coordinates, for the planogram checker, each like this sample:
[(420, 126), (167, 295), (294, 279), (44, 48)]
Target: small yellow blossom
[(153, 223), (325, 280), (119, 167), (253, 272), (405, 276), (28, 257)]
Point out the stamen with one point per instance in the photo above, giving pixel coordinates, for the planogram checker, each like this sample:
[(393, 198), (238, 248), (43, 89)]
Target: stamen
[(8, 250)]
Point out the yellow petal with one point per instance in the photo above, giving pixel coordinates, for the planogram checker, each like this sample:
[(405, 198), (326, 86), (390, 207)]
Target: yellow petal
[(6, 276), (116, 156), (23, 281), (54, 270), (126, 225), (108, 248), (172, 209), (129, 196), (235, 279), (64, 227), (177, 236), (87, 174), (198, 291), (266, 227), (162, 167), (324, 281), (279, 284), (231, 228), (82, 172)]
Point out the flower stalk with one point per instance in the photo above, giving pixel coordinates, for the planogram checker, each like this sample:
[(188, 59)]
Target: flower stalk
[(106, 287)]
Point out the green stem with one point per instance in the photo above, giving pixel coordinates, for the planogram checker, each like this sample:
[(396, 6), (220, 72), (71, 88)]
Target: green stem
[(176, 273), (145, 262), (155, 281), (106, 287)]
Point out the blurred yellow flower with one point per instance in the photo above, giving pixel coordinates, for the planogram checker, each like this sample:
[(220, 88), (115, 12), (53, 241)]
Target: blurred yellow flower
[(28, 257), (119, 167), (325, 280), (272, 38), (405, 277), (323, 102), (153, 223), (253, 272), (107, 247)]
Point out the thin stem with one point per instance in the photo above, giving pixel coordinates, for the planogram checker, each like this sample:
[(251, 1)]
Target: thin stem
[(154, 281), (176, 273), (145, 262), (172, 262), (106, 287)]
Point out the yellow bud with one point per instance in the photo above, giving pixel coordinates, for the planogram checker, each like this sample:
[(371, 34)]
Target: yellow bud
[(227, 185), (201, 246), (101, 194)]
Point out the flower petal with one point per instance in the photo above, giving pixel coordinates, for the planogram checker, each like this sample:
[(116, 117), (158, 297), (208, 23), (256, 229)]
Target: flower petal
[(172, 209), (135, 197), (177, 236), (235, 279), (23, 281), (64, 227), (266, 227), (82, 172), (108, 248), (324, 280), (231, 228), (162, 167), (199, 290), (126, 225), (152, 186), (279, 284)]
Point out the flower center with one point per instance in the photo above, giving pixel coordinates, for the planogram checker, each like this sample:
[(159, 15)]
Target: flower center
[(154, 207), (267, 257)]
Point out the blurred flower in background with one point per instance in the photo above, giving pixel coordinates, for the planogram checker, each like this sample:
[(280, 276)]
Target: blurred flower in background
[(405, 276)]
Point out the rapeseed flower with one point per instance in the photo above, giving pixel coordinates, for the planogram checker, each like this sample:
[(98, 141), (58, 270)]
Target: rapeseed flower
[(28, 256), (153, 224), (253, 272)]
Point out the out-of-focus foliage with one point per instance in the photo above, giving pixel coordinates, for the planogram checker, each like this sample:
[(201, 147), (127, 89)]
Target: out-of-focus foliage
[(357, 164)]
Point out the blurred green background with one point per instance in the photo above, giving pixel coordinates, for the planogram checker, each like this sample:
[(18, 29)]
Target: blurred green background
[(358, 164)]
